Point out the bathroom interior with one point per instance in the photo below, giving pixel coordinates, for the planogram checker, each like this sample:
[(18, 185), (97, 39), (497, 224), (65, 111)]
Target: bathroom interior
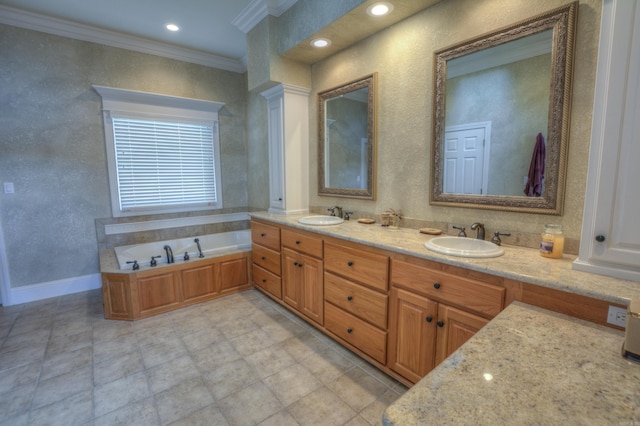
[(59, 216)]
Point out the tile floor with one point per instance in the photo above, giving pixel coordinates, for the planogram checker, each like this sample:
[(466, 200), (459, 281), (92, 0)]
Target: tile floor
[(239, 360)]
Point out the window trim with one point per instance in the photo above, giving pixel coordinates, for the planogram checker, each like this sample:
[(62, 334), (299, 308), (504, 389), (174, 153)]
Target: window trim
[(152, 106)]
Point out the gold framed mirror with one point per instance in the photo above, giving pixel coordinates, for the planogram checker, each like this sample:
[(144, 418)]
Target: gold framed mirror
[(501, 116), (347, 139)]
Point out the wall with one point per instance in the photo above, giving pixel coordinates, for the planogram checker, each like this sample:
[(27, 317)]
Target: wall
[(52, 143), (403, 57)]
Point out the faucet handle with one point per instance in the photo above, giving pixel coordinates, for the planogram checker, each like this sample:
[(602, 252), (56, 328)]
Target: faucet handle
[(496, 237), (462, 230), (332, 210), (347, 215), (135, 264), (154, 262)]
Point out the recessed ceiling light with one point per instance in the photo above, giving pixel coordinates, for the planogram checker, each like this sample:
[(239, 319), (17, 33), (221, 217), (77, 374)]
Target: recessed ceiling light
[(320, 42), (172, 27), (380, 9)]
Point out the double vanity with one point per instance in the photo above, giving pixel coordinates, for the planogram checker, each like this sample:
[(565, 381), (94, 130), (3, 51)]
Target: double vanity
[(409, 310)]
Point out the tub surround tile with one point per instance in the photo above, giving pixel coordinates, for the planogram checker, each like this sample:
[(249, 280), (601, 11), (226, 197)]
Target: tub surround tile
[(528, 365), (518, 263)]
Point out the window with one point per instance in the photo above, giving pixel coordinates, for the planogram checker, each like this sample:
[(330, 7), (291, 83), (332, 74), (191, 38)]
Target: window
[(163, 152)]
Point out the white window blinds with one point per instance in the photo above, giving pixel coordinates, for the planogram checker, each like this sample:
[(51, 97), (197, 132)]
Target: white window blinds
[(162, 163)]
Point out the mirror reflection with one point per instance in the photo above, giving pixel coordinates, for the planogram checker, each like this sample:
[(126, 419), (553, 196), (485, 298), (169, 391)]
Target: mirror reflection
[(501, 117), (347, 139)]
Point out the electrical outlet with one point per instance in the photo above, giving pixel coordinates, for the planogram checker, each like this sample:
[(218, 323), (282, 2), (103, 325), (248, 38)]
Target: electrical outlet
[(617, 316)]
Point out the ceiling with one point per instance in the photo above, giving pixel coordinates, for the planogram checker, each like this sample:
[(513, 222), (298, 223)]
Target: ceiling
[(210, 27)]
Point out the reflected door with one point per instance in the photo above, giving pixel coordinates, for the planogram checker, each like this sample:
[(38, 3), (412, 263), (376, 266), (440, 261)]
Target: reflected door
[(465, 155)]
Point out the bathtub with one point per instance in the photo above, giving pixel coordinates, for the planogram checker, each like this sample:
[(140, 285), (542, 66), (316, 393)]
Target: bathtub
[(211, 245)]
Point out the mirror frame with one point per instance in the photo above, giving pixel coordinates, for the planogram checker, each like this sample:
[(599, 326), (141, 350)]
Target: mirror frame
[(562, 21), (370, 82)]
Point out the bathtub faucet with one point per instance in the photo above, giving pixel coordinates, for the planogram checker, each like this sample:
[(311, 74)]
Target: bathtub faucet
[(197, 241), (169, 252)]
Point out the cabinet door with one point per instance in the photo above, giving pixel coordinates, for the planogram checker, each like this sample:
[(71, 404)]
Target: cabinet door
[(311, 301), (116, 296), (292, 275), (198, 284), (412, 334), (234, 275), (454, 328), (158, 293), (267, 281)]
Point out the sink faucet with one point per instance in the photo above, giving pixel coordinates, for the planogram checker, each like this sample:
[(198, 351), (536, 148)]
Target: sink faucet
[(333, 211), (496, 237), (480, 228), (462, 229), (169, 252)]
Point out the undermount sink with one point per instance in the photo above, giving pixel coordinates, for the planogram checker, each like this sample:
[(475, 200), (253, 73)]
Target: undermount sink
[(464, 247), (321, 220)]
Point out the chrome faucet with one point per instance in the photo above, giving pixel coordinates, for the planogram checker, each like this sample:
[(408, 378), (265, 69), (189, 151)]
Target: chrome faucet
[(480, 228), (462, 230), (197, 241), (496, 237), (169, 252), (333, 211)]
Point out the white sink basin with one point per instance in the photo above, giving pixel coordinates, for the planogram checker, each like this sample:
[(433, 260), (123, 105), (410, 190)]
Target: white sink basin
[(321, 220), (464, 247)]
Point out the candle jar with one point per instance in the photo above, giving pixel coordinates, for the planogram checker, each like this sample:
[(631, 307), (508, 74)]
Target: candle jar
[(394, 221), (552, 241)]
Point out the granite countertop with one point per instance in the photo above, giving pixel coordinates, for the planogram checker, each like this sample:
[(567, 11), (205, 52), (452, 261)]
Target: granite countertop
[(518, 263), (528, 366)]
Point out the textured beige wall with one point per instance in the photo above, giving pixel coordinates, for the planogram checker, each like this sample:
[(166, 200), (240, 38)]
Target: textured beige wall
[(403, 57), (52, 143)]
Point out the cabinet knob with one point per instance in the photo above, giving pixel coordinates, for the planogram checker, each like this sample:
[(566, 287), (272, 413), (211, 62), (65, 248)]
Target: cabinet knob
[(600, 238), (295, 263), (264, 280), (264, 258), (297, 242), (349, 298), (429, 319), (440, 323), (349, 330), (300, 265), (263, 234), (436, 285), (350, 263)]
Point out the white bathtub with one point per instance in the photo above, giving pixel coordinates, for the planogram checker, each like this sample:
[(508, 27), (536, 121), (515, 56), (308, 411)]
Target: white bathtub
[(210, 244)]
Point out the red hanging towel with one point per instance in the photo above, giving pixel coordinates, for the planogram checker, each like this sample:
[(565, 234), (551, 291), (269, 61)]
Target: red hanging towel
[(533, 188)]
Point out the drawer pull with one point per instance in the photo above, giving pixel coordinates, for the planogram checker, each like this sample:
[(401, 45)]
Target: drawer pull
[(300, 265), (349, 298), (436, 286), (349, 330), (264, 258), (297, 242), (440, 323), (429, 319), (350, 263), (264, 280), (263, 234), (295, 263)]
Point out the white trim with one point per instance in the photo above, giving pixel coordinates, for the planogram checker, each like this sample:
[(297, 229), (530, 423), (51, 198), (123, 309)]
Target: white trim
[(123, 228), (257, 10), (46, 290), (5, 283), (74, 30)]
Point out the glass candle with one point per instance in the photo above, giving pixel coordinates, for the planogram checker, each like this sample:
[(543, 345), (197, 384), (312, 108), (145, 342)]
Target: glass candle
[(552, 242)]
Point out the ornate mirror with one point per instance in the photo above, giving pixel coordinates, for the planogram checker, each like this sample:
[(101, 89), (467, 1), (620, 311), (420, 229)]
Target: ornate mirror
[(501, 117), (347, 139)]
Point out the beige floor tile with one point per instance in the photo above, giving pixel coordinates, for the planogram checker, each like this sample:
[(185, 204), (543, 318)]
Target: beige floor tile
[(251, 342), (70, 342), (281, 418), (108, 349), (22, 356), (292, 383), (357, 388), (321, 407), (16, 342), (169, 374), (207, 416), (19, 376), (230, 378), (303, 346), (141, 413), (327, 365), (117, 367), (360, 421), (270, 360), (162, 352), (373, 412), (236, 327), (214, 356), (62, 386), (120, 393), (104, 330), (66, 362), (17, 400), (257, 396), (202, 338), (182, 400), (73, 410)]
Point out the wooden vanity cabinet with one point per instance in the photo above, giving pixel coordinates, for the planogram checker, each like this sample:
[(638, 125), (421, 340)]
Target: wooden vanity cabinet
[(355, 300), (265, 256), (432, 314), (302, 268)]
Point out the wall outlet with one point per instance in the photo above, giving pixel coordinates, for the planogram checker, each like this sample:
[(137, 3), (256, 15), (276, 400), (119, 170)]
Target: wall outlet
[(617, 316)]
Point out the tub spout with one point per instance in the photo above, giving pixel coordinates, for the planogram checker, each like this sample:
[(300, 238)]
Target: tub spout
[(169, 252), (197, 241)]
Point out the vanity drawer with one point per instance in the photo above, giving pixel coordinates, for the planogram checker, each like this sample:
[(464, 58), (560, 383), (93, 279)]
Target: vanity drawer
[(360, 301), (302, 243), (267, 281), (357, 332), (268, 259), (472, 295), (265, 235), (368, 268)]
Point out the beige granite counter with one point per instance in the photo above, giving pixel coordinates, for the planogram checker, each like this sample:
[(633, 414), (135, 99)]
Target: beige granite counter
[(528, 366), (518, 263)]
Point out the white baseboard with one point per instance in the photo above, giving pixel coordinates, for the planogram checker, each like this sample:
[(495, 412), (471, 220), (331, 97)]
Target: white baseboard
[(31, 293)]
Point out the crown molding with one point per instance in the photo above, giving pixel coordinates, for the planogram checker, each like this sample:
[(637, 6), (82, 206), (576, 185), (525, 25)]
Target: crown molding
[(257, 10), (61, 27)]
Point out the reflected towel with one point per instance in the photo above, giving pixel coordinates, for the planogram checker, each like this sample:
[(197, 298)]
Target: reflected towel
[(533, 188)]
